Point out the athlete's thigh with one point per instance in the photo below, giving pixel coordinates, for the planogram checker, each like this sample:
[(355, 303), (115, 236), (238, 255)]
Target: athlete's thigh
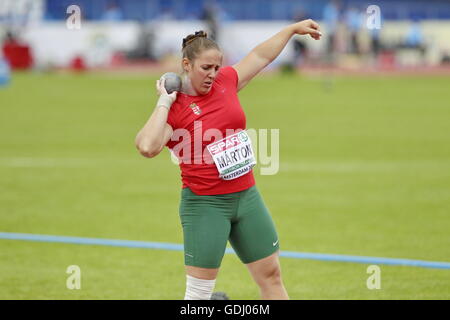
[(253, 235), (206, 229)]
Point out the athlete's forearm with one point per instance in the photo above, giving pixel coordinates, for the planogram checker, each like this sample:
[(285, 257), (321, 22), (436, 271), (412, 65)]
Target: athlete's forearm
[(150, 137), (271, 48)]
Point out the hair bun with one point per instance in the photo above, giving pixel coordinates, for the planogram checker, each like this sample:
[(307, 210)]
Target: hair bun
[(192, 37)]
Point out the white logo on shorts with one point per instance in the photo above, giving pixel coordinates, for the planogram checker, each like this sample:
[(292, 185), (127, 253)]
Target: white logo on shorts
[(275, 243)]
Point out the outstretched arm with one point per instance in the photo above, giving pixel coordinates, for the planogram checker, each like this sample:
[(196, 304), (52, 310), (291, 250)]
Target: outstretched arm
[(267, 51)]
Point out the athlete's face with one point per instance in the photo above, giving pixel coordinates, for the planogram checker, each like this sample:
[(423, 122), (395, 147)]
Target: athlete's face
[(203, 70)]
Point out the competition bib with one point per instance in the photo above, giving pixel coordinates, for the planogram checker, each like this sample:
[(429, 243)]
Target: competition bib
[(233, 155)]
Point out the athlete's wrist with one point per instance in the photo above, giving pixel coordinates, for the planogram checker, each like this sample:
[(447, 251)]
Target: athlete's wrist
[(165, 101)]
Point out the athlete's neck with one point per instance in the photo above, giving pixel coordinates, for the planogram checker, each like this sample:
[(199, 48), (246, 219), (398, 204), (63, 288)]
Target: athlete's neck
[(186, 86)]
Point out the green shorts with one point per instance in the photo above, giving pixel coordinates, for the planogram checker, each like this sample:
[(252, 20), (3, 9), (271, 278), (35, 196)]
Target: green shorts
[(209, 221)]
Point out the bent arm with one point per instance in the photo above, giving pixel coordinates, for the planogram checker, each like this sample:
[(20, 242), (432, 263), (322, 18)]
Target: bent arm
[(266, 52), (155, 134)]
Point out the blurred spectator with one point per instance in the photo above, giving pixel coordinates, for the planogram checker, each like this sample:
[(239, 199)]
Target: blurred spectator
[(375, 45), (145, 44), (78, 64), (414, 38), (17, 54), (299, 43), (331, 21), (112, 12), (354, 20), (211, 19), (445, 60)]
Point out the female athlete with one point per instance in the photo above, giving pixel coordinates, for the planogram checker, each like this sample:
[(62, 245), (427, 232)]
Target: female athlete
[(204, 126)]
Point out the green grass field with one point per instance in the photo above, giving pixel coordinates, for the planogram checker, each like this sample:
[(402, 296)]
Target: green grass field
[(364, 170)]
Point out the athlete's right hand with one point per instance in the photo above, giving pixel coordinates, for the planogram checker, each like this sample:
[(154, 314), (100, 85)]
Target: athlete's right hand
[(308, 27), (165, 100)]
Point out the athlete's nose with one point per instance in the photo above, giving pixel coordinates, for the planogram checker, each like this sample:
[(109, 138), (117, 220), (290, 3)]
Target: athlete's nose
[(212, 75)]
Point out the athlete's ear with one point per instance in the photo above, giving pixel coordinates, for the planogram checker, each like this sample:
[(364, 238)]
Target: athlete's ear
[(186, 65)]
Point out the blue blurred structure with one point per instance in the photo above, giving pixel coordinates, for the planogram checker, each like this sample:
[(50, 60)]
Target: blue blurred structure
[(145, 10), (5, 72), (414, 37)]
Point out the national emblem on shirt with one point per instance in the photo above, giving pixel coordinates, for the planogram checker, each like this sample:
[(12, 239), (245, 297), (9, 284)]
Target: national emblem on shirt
[(195, 108)]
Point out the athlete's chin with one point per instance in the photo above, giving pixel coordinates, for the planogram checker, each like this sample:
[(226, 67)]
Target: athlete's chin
[(204, 90)]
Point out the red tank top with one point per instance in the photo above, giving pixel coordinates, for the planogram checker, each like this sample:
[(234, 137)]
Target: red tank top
[(198, 121)]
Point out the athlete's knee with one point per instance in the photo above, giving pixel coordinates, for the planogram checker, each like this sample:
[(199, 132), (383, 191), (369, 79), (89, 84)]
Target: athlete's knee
[(202, 273), (269, 276), (272, 275)]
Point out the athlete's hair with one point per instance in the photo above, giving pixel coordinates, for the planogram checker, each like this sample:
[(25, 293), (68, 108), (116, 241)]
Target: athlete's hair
[(196, 43)]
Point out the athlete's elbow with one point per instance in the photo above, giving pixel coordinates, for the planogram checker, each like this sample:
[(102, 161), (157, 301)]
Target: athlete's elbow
[(149, 154), (148, 151)]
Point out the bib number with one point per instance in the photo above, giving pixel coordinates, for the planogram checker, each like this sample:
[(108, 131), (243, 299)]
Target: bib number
[(233, 155)]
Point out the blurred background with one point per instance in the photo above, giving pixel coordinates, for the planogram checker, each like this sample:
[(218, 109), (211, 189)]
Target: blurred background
[(35, 34), (364, 162)]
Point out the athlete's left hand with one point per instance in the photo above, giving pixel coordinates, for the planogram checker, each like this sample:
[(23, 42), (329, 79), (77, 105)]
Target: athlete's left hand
[(308, 27)]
